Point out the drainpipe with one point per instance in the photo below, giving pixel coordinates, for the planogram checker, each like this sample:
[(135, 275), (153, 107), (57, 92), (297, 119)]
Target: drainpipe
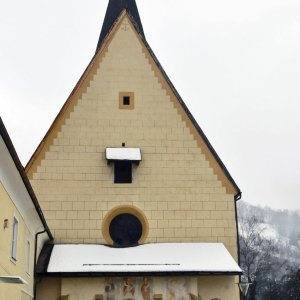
[(237, 198), (35, 262)]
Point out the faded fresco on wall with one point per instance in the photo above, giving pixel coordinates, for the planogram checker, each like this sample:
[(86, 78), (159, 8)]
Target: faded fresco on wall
[(142, 288), (176, 288), (139, 288)]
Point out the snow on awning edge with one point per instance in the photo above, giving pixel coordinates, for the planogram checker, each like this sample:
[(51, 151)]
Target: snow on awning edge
[(232, 270), (129, 154)]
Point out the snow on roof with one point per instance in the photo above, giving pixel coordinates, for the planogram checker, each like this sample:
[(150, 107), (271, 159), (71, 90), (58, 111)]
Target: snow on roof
[(132, 154), (154, 258)]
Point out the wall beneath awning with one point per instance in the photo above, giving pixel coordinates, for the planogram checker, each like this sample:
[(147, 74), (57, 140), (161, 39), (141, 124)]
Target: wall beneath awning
[(140, 288), (49, 289), (223, 287)]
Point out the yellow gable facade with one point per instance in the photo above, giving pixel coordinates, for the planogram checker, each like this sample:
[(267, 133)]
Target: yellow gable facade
[(179, 191)]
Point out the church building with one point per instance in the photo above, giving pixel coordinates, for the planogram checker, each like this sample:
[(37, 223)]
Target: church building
[(139, 203)]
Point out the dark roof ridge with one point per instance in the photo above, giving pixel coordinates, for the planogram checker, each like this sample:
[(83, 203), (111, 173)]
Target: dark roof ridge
[(114, 9), (7, 140)]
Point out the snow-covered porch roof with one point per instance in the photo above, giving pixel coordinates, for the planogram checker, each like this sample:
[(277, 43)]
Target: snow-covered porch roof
[(149, 259), (130, 154)]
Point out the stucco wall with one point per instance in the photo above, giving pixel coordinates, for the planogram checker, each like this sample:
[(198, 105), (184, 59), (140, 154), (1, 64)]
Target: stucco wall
[(82, 288), (9, 267), (48, 289), (218, 287)]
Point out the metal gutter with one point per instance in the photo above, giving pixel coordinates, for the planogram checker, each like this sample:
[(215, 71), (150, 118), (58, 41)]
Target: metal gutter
[(35, 262)]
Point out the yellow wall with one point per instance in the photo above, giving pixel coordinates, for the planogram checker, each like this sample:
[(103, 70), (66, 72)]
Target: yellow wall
[(218, 287), (82, 288), (48, 289), (8, 267)]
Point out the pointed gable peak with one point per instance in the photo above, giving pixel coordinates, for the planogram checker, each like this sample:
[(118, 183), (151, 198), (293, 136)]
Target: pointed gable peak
[(114, 9)]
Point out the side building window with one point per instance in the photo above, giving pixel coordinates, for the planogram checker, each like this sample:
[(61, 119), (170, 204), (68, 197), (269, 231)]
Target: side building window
[(27, 266), (14, 245)]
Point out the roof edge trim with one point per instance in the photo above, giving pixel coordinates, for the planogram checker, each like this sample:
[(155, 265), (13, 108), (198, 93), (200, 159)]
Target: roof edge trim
[(135, 274), (113, 12)]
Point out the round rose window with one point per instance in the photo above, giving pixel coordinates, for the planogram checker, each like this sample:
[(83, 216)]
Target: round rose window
[(125, 226), (125, 230)]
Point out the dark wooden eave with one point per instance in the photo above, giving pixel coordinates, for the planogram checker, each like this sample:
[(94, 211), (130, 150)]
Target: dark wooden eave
[(114, 9), (43, 259), (134, 274)]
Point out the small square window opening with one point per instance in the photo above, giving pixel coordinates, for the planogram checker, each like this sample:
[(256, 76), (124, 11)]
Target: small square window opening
[(27, 257), (126, 100)]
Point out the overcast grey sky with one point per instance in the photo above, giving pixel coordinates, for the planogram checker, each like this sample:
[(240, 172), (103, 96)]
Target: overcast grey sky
[(236, 64)]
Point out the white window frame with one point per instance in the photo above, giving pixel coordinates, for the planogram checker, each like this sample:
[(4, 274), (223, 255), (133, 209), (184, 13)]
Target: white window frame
[(28, 256), (14, 241)]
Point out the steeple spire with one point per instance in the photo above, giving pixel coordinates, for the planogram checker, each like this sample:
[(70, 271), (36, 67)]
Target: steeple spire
[(114, 9)]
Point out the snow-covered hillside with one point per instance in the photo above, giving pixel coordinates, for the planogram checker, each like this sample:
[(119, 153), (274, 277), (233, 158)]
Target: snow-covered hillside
[(280, 226)]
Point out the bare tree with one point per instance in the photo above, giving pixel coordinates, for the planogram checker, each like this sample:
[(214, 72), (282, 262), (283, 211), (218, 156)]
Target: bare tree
[(260, 259), (255, 249), (269, 252)]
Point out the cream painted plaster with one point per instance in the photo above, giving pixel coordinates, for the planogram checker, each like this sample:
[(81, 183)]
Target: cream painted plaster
[(174, 185), (10, 291), (8, 267), (224, 287), (49, 289), (82, 288)]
